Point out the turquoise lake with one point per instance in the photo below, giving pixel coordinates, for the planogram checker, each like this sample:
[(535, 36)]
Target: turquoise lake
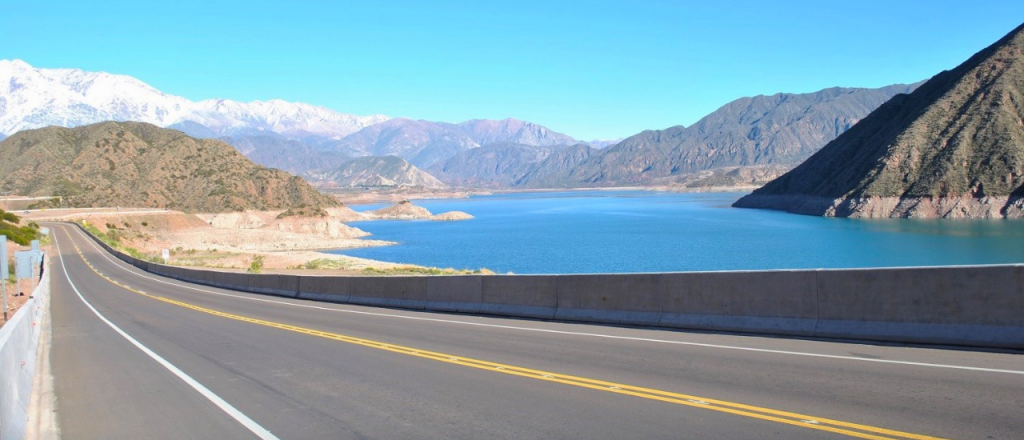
[(644, 231)]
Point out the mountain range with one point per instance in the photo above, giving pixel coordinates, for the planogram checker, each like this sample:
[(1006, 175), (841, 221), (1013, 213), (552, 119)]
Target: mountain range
[(952, 148), (762, 132), (36, 97), (768, 134)]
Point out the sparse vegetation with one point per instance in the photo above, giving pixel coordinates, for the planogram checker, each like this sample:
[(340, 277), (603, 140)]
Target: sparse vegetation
[(22, 235), (113, 239), (44, 204), (256, 265), (303, 211), (416, 270), (325, 263)]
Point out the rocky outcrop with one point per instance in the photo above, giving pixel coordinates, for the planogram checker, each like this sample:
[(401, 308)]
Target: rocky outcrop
[(451, 216), (405, 210)]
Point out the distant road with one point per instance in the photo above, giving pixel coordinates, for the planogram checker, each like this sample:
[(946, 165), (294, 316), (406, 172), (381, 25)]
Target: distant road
[(66, 213), (176, 360)]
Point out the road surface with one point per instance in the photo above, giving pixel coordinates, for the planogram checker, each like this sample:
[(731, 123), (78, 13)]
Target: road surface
[(135, 355)]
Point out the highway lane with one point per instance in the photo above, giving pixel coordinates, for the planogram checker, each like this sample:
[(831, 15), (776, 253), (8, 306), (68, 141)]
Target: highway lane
[(299, 385)]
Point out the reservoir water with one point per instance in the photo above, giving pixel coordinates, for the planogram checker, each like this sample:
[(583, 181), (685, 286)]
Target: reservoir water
[(643, 231)]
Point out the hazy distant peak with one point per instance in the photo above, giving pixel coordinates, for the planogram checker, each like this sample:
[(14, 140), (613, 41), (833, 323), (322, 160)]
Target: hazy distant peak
[(488, 131), (603, 143)]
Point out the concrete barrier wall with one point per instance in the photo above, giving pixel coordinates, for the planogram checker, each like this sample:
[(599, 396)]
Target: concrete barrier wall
[(971, 305), (19, 343)]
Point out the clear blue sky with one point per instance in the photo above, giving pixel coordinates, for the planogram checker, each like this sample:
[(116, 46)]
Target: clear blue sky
[(591, 69)]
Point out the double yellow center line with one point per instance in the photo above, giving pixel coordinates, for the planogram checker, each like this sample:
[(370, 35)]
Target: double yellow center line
[(756, 412)]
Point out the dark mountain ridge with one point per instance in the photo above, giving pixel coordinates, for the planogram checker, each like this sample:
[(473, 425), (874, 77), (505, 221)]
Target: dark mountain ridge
[(779, 129), (498, 165), (952, 148)]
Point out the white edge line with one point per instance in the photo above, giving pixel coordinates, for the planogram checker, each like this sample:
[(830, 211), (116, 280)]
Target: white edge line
[(260, 431), (118, 263)]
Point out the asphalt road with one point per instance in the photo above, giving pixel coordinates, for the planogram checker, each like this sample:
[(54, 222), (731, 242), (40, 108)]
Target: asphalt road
[(212, 363)]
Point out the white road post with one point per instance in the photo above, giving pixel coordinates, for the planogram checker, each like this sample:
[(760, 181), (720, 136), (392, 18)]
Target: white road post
[(3, 272)]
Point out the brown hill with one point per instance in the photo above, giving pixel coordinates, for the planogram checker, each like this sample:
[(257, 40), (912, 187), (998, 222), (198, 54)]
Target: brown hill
[(952, 148), (142, 165)]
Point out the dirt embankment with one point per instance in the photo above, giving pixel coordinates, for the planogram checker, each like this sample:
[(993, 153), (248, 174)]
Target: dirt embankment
[(280, 240), (231, 240)]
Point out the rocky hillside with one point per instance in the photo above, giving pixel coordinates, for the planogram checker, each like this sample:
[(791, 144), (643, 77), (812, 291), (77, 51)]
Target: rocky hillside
[(422, 143), (373, 171), (557, 170), (293, 156), (952, 148), (142, 165), (498, 165)]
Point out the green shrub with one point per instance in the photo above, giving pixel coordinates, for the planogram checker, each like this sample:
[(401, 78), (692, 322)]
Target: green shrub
[(22, 235), (256, 266), (9, 217)]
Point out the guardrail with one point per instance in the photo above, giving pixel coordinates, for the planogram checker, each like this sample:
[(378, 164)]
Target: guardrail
[(979, 306), (19, 343)]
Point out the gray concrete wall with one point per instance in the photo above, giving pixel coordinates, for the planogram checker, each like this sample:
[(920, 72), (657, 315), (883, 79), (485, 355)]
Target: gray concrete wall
[(979, 306), (19, 345)]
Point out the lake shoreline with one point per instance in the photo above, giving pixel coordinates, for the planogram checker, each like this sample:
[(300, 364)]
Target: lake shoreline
[(649, 230)]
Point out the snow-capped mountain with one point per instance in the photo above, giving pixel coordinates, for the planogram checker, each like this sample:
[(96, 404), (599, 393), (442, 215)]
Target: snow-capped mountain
[(34, 98), (226, 117)]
